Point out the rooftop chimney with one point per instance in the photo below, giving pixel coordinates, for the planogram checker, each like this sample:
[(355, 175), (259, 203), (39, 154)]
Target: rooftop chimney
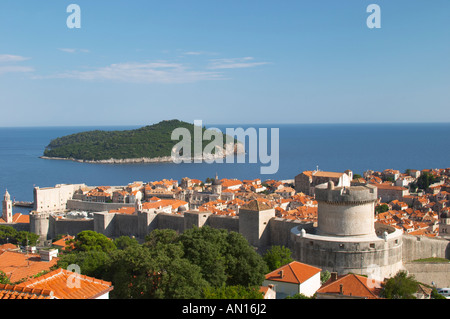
[(333, 276), (281, 273), (341, 289)]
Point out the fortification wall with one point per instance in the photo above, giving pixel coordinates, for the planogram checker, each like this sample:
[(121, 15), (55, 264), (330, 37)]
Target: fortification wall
[(71, 226), (171, 221), (78, 205), (18, 226), (230, 223), (126, 225), (368, 256), (419, 247), (104, 223), (430, 272), (280, 230)]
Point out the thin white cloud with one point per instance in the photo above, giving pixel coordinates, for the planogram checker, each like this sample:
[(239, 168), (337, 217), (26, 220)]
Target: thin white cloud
[(15, 69), (8, 64), (234, 63), (7, 58), (71, 50), (199, 53), (154, 72)]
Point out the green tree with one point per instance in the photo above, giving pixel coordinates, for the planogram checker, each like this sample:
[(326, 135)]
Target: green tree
[(277, 256), (125, 241), (224, 257), (162, 236), (8, 235), (232, 292), (324, 276), (205, 247), (92, 263), (89, 240), (140, 272), (436, 295), (4, 278), (25, 238), (425, 180), (133, 273), (245, 266), (381, 208), (401, 286)]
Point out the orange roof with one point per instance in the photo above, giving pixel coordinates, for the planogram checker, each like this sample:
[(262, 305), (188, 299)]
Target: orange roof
[(18, 266), (175, 203), (124, 210), (57, 281), (18, 218), (388, 186), (62, 242), (230, 182), (294, 272), (352, 285), (19, 292), (327, 174), (6, 247)]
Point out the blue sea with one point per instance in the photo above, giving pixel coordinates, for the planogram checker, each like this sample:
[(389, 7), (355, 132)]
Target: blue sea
[(331, 147)]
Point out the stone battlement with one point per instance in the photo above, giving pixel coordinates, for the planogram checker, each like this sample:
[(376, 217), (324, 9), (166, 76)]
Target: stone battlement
[(345, 195)]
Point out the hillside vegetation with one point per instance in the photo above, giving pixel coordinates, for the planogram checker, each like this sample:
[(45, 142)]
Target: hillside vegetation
[(147, 142)]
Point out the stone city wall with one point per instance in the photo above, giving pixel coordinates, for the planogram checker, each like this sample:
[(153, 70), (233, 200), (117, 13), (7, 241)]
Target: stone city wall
[(419, 247)]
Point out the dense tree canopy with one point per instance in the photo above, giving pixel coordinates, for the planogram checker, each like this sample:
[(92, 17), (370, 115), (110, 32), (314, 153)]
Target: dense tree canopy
[(9, 235), (149, 141), (277, 256), (401, 286), (200, 263)]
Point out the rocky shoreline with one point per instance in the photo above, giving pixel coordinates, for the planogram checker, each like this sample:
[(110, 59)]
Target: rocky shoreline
[(166, 159)]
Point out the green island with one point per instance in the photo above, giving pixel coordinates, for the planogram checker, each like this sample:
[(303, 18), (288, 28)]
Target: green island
[(146, 144)]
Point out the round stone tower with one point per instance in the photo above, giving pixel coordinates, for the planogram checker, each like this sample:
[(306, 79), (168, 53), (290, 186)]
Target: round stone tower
[(347, 239), (346, 211), (40, 225)]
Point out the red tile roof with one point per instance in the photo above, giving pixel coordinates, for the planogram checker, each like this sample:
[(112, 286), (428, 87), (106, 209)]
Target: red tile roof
[(18, 265), (20, 292), (294, 272), (352, 285), (63, 242), (60, 281)]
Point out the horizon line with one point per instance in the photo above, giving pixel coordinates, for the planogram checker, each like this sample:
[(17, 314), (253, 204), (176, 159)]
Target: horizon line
[(221, 124)]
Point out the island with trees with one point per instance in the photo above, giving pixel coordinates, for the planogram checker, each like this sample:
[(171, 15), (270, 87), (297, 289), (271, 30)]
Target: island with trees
[(147, 144)]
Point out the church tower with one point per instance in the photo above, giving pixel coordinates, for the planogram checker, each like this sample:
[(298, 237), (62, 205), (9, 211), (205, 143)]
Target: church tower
[(7, 208), (217, 186)]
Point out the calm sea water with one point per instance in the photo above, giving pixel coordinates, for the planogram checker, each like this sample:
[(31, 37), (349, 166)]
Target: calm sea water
[(332, 147)]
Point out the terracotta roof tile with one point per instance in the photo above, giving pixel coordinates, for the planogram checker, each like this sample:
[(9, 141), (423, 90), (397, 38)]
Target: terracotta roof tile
[(60, 281), (20, 292), (294, 272), (352, 285), (18, 265)]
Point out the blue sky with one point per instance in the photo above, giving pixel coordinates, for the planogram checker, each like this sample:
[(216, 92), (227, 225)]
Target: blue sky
[(140, 62)]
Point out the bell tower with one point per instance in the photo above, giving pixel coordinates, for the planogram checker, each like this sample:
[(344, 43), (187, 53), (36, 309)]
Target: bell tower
[(7, 208)]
